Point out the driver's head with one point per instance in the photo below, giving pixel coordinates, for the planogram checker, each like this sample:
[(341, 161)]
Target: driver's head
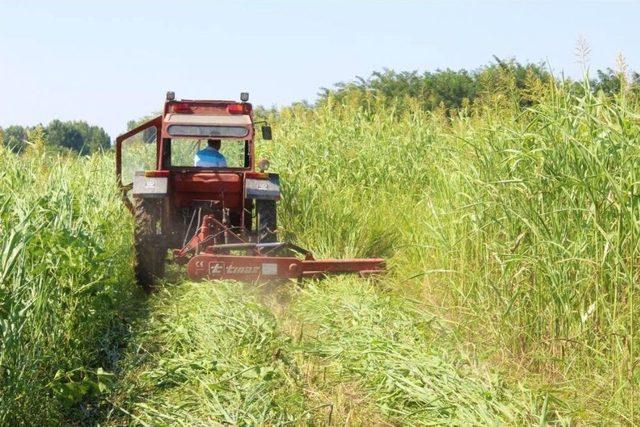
[(214, 143)]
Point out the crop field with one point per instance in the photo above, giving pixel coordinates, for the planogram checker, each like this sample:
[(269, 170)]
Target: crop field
[(512, 235)]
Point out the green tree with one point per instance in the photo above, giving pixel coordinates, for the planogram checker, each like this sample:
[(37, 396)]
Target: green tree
[(15, 137), (451, 89), (95, 138), (610, 82), (64, 134), (77, 136)]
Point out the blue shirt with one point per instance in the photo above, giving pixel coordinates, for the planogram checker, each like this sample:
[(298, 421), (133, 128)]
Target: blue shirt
[(209, 158)]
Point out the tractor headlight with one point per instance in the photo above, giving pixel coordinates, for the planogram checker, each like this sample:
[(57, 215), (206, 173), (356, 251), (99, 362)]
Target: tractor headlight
[(263, 165)]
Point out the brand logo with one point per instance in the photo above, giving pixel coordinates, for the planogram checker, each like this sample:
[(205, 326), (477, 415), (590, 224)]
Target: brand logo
[(217, 268)]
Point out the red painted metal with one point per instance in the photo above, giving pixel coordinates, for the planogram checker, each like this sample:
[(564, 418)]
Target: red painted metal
[(265, 268), (156, 174), (192, 185), (182, 107), (221, 245), (211, 231), (209, 260)]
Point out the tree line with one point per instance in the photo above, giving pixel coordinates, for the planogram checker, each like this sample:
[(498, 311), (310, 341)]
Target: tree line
[(454, 89), (448, 89), (76, 136)]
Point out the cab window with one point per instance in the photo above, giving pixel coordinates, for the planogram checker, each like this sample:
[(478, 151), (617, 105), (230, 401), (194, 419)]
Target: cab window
[(183, 152)]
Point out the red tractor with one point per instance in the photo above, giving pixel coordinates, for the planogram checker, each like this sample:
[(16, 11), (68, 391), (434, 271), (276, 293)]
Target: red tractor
[(218, 218)]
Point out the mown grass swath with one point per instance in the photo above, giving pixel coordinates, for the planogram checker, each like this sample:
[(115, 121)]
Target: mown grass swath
[(341, 352), (209, 354), (392, 347)]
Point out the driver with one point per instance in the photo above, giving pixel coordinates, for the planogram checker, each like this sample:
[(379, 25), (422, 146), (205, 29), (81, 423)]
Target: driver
[(210, 156)]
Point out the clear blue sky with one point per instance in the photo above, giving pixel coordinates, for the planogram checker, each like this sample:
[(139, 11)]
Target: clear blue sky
[(111, 61)]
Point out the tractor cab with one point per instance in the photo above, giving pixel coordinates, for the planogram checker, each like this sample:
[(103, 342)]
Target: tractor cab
[(157, 159), (170, 141), (187, 125)]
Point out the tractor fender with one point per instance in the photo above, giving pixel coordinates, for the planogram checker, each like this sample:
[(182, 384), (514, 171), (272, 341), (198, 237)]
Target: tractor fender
[(263, 189), (149, 187)]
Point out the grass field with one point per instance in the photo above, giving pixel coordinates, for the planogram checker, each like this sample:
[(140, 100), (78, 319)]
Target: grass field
[(65, 273), (512, 238)]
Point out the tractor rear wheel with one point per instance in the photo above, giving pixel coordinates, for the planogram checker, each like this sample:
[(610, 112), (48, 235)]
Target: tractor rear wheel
[(267, 220), (149, 245)]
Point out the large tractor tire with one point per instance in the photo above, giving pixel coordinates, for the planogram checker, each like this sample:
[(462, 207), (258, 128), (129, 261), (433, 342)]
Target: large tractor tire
[(150, 247), (267, 221)]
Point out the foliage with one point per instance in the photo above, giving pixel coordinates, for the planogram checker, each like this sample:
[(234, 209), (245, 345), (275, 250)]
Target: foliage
[(216, 353), (523, 220), (15, 137), (510, 223), (452, 90), (386, 344), (76, 136), (613, 82), (210, 355), (64, 275)]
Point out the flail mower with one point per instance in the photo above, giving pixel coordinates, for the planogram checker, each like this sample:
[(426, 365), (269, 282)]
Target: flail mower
[(218, 219)]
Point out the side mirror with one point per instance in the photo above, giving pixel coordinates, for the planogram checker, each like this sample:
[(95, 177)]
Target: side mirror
[(266, 132), (149, 135)]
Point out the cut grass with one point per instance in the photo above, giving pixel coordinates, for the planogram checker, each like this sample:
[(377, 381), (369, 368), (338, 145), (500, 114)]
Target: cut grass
[(210, 354), (339, 352), (401, 358)]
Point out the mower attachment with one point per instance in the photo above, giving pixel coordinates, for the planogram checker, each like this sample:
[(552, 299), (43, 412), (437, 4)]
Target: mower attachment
[(259, 262), (266, 268)]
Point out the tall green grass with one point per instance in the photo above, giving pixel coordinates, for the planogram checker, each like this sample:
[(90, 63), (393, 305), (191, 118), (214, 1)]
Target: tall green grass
[(519, 227), (523, 224), (65, 273)]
